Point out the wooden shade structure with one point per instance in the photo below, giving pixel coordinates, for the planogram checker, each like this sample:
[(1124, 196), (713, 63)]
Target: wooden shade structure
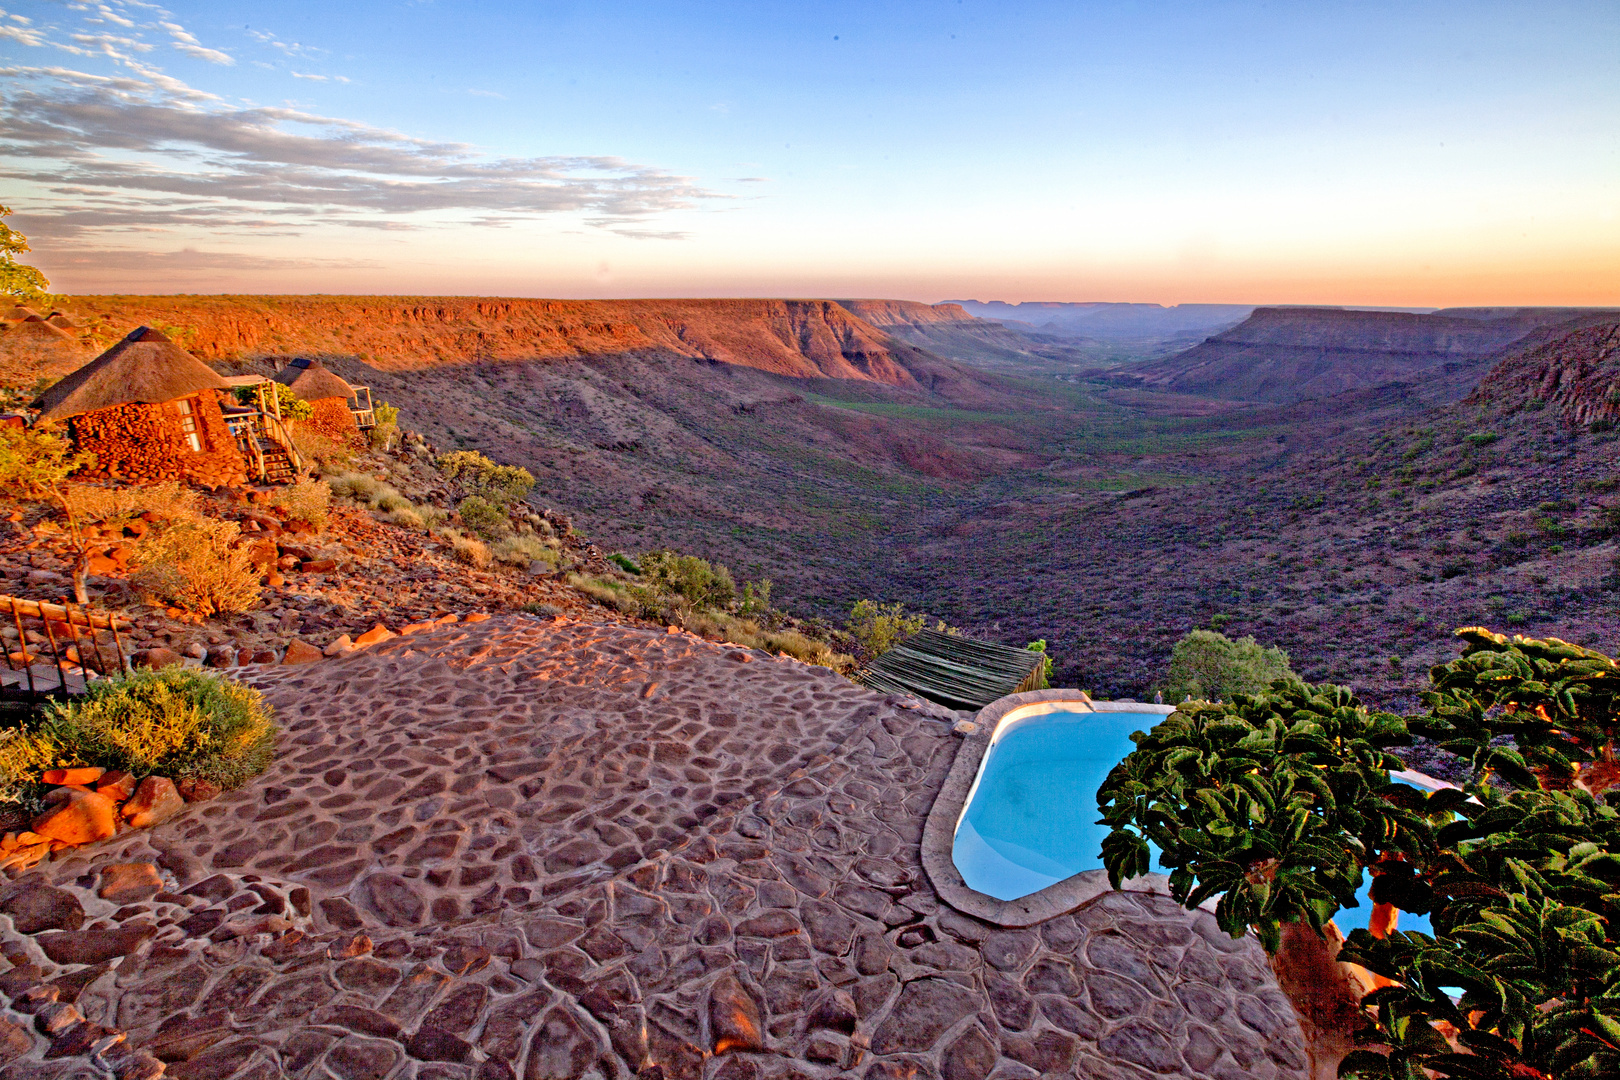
[(957, 672)]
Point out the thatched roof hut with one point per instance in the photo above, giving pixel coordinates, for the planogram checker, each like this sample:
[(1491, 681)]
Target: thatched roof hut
[(311, 380), (18, 313), (36, 329), (61, 320), (146, 367)]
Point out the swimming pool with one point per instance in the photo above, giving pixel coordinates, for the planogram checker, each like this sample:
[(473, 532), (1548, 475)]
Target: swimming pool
[(1030, 818)]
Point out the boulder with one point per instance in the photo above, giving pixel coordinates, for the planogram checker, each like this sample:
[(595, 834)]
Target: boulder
[(417, 627), (318, 566), (339, 647), (116, 785), (83, 818), (156, 658), (374, 635), (195, 789), (477, 616), (35, 906), (301, 652), (80, 777), (155, 801)]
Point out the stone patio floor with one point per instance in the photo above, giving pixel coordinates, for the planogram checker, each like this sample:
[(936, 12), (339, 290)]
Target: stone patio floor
[(551, 849)]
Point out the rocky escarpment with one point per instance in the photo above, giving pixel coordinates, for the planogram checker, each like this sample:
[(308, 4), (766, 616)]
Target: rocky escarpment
[(1283, 354), (1577, 372), (810, 339)]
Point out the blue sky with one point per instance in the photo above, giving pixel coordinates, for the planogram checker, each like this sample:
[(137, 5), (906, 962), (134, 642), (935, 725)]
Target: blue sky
[(1417, 153)]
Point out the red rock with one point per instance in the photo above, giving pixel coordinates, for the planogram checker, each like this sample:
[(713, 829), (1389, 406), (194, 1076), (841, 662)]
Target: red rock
[(76, 777), (374, 635), (156, 658), (100, 566), (274, 579), (195, 789), (318, 566), (116, 785), (734, 1017), (127, 883), (155, 801), (417, 628), (477, 616), (339, 647), (301, 652), (83, 819)]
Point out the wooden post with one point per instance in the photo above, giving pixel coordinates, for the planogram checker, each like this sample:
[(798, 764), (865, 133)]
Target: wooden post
[(77, 650), (56, 655), (101, 661), (22, 637)]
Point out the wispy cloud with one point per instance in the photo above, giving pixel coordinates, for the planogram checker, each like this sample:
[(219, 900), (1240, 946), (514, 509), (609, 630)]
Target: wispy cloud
[(184, 41), (141, 151), (486, 93)]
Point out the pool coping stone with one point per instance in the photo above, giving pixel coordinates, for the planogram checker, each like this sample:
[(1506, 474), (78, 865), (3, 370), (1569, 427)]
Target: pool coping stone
[(939, 831)]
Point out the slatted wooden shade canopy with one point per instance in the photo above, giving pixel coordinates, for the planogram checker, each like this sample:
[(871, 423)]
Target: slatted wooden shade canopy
[(957, 672)]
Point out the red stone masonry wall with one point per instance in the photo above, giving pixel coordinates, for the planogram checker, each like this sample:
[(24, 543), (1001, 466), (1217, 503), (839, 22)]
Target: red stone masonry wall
[(146, 444), (333, 419)]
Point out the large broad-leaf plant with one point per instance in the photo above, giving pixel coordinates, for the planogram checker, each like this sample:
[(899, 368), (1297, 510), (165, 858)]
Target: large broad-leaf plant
[(1280, 802)]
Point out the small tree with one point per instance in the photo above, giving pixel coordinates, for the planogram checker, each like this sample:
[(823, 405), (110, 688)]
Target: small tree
[(877, 628), (36, 463), (19, 282), (700, 583), (475, 474), (1207, 664)]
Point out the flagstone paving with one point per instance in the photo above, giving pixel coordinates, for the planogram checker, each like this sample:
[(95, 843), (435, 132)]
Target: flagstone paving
[(553, 850)]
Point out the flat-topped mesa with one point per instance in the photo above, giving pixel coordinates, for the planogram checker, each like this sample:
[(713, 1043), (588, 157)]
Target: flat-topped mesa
[(886, 314), (808, 339)]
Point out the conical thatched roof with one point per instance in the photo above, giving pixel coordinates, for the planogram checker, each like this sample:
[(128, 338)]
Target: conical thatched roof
[(19, 313), (144, 367), (61, 320), (35, 328), (311, 380)]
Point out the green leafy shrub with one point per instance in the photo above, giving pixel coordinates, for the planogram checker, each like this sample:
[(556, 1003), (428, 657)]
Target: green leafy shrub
[(477, 475), (1045, 679), (877, 628), (483, 517), (625, 563), (305, 500), (756, 598), (1281, 801), (1480, 438), (1206, 664), (358, 486), (698, 582), (315, 447), (386, 428), (175, 722), (292, 407)]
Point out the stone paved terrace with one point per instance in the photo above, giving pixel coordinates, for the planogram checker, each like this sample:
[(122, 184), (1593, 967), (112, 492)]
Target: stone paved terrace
[(555, 850)]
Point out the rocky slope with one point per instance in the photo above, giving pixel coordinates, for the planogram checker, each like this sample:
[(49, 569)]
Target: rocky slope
[(1577, 373), (796, 338), (949, 330), (1286, 354)]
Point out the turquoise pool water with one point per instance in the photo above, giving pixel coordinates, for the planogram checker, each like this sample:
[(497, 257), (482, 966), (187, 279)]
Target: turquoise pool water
[(1031, 818)]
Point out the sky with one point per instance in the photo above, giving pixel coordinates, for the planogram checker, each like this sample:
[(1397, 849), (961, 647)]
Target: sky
[(1409, 154)]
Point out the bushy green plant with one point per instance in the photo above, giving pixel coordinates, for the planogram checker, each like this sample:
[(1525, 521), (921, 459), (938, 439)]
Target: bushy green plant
[(1045, 678), (1206, 664), (756, 598), (477, 475), (483, 517), (175, 722), (1282, 800), (522, 550), (195, 564), (117, 506), (698, 582), (385, 429), (877, 628), (305, 500), (625, 563)]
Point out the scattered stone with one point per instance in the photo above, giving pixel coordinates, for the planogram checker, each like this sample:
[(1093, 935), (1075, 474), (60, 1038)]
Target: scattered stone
[(376, 634), (155, 801), (116, 785), (83, 818), (81, 777), (301, 652), (152, 659), (339, 647), (964, 727), (196, 789)]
